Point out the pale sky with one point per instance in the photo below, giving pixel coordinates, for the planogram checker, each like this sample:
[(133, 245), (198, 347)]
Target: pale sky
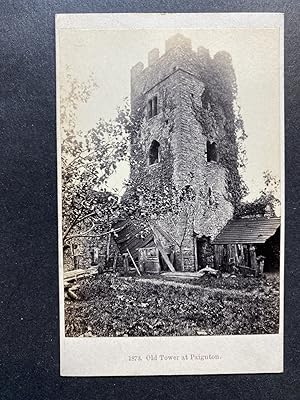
[(110, 54)]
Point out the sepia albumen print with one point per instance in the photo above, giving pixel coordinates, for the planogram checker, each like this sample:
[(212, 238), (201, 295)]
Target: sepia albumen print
[(170, 155)]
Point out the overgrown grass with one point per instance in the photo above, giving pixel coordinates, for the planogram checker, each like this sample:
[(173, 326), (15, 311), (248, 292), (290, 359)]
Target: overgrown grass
[(116, 306), (268, 283)]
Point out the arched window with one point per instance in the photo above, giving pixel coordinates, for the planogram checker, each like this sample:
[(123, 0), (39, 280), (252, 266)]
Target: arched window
[(154, 152), (211, 151)]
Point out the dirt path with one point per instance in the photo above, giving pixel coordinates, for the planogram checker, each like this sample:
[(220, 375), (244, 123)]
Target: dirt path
[(228, 292)]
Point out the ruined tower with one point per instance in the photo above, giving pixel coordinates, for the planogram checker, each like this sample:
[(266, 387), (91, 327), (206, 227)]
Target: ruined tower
[(178, 146)]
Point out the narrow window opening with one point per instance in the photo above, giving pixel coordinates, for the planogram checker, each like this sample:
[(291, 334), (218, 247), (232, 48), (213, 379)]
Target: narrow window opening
[(154, 105), (205, 99), (150, 108), (154, 153), (210, 197), (211, 152), (214, 152)]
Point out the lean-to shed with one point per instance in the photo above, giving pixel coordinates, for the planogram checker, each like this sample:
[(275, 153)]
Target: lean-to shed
[(243, 240)]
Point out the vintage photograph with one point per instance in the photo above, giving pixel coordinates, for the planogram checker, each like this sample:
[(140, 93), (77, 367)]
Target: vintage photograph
[(170, 182), (170, 176)]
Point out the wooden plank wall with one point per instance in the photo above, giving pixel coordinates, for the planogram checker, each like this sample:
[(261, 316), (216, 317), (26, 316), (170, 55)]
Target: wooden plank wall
[(130, 237), (239, 253)]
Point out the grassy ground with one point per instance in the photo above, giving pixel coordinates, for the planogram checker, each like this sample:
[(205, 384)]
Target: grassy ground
[(119, 306), (268, 283)]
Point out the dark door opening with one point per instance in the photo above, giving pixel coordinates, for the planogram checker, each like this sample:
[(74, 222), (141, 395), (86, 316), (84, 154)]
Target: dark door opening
[(271, 251), (204, 252)]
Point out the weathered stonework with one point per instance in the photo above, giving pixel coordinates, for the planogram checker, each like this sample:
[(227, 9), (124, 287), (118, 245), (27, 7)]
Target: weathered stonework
[(174, 80)]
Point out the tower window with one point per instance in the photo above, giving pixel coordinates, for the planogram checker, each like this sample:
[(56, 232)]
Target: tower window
[(152, 107), (154, 102), (154, 153), (205, 99), (211, 152), (210, 197)]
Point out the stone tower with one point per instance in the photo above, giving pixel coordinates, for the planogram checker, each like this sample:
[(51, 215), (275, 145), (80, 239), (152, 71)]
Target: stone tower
[(173, 148)]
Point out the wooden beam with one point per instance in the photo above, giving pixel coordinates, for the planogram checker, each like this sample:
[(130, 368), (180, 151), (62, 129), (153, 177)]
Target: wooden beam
[(135, 266), (163, 254), (195, 253), (253, 263), (164, 233), (165, 258), (112, 231)]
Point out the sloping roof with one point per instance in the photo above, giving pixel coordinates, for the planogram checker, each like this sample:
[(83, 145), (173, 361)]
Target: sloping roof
[(130, 235), (248, 230)]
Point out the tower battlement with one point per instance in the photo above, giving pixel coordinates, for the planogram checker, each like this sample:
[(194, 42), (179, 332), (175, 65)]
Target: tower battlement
[(178, 55)]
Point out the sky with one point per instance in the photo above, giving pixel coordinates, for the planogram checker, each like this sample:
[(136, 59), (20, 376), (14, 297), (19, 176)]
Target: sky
[(110, 54)]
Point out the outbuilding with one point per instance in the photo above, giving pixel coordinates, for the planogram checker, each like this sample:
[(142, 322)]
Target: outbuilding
[(249, 243)]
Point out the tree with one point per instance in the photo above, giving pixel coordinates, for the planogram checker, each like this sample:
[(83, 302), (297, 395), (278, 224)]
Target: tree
[(88, 159), (146, 204), (267, 201), (183, 214)]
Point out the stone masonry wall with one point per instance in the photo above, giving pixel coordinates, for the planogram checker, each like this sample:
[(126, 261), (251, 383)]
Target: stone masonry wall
[(175, 78), (214, 208)]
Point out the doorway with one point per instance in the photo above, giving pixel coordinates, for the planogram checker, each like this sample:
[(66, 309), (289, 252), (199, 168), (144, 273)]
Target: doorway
[(205, 252)]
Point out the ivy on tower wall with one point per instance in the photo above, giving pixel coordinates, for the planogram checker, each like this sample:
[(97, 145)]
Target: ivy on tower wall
[(220, 117)]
